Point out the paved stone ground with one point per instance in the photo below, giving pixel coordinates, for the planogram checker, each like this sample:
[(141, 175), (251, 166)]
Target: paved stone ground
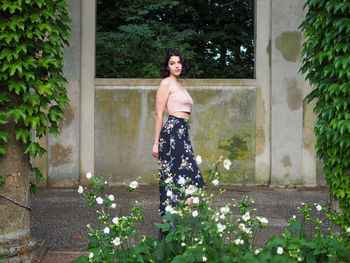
[(60, 216)]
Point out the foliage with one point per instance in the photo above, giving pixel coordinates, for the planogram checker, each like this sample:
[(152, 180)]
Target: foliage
[(326, 62), (216, 36), (33, 34), (198, 232)]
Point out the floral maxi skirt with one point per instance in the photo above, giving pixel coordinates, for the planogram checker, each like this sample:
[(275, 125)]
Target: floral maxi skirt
[(176, 163)]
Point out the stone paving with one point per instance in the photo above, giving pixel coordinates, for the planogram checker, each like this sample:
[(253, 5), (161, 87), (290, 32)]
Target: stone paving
[(60, 216)]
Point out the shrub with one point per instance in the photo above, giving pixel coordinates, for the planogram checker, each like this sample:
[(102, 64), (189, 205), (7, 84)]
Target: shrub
[(198, 232), (326, 62)]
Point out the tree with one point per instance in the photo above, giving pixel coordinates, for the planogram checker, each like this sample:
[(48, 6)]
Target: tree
[(216, 36), (32, 96)]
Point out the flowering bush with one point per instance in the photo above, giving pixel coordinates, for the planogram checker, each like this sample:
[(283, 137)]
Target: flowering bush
[(198, 232)]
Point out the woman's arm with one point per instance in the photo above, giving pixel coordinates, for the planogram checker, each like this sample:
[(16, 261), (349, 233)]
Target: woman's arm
[(161, 100)]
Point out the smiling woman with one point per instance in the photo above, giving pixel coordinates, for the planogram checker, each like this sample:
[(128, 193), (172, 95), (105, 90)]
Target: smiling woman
[(216, 36)]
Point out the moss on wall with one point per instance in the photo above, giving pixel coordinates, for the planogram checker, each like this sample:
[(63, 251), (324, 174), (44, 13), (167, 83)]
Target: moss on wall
[(124, 131)]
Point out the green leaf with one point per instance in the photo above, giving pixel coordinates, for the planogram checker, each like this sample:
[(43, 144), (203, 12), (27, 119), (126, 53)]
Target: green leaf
[(33, 99), (3, 118), (18, 86), (23, 135), (55, 113), (328, 70), (33, 148), (38, 175), (33, 189), (3, 135), (4, 97), (16, 113), (1, 179), (2, 149)]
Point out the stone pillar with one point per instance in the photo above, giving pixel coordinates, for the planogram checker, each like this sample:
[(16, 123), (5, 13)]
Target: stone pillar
[(287, 87), (262, 75), (87, 98), (63, 151)]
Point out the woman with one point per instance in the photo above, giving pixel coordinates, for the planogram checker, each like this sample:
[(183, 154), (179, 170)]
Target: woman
[(172, 146)]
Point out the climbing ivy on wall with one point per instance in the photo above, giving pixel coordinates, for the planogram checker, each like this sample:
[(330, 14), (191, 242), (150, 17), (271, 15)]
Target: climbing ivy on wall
[(33, 34), (326, 62)]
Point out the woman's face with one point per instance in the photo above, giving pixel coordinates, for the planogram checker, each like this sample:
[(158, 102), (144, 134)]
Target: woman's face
[(175, 66)]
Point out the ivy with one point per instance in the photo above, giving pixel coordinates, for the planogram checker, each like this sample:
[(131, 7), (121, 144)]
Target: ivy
[(33, 35), (326, 62)]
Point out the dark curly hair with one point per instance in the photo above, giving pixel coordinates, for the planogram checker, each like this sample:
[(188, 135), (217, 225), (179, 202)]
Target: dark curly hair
[(185, 66)]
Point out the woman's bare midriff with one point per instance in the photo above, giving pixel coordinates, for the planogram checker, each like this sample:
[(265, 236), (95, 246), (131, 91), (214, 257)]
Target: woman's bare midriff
[(182, 114)]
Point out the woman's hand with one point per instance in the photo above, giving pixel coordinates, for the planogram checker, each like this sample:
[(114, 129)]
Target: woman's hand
[(155, 150)]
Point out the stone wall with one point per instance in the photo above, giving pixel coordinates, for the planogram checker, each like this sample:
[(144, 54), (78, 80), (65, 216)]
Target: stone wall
[(109, 126), (222, 124)]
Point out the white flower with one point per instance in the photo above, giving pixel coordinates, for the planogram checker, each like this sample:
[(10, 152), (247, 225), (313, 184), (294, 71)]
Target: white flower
[(246, 216), (133, 184), (227, 164), (242, 227), (183, 244), (280, 250), (80, 189), (106, 230), (294, 216), (195, 200), (88, 175), (111, 197), (263, 220), (221, 227), (99, 200), (169, 180), (170, 209), (224, 209), (181, 180), (91, 255), (114, 205), (191, 190), (239, 241), (348, 230), (199, 159), (116, 241), (222, 217), (318, 208), (195, 213), (215, 182), (115, 220), (204, 258), (257, 251), (169, 193)]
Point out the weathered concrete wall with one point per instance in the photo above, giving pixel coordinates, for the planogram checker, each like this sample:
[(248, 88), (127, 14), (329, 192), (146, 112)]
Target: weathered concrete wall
[(286, 93), (63, 151), (263, 90), (222, 123)]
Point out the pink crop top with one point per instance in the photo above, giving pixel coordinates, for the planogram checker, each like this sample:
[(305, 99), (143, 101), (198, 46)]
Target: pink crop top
[(179, 101)]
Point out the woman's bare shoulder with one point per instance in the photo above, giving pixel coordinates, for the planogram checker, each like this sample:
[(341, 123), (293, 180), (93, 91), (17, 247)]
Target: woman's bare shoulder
[(165, 84)]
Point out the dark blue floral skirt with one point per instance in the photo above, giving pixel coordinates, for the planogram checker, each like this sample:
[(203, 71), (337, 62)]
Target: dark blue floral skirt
[(178, 169)]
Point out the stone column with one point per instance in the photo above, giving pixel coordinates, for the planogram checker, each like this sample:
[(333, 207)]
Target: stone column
[(262, 75), (63, 151), (287, 87), (87, 98)]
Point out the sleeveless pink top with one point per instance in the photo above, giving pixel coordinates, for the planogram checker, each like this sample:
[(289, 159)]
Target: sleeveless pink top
[(179, 101)]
